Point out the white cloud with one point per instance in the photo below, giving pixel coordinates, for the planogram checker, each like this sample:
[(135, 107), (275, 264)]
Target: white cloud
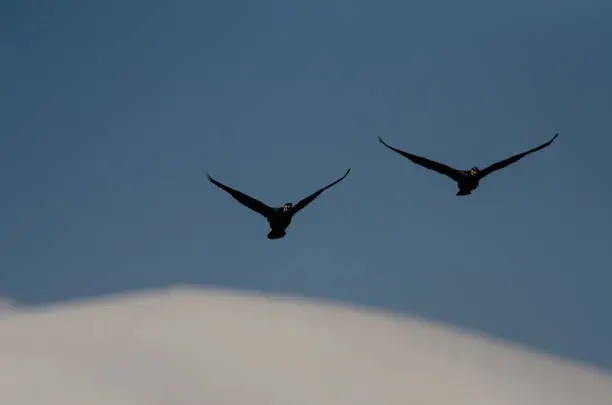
[(7, 306), (187, 346)]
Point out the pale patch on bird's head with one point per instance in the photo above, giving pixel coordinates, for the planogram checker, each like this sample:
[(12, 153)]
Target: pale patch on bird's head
[(474, 171), (287, 206)]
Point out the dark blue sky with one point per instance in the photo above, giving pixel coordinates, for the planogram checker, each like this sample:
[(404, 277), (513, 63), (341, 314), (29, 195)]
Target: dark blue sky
[(112, 112)]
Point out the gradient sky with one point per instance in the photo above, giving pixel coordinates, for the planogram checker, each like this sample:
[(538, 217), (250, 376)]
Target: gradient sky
[(113, 111)]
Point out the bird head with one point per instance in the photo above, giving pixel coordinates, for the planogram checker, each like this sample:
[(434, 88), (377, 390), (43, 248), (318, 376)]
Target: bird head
[(287, 207), (474, 171)]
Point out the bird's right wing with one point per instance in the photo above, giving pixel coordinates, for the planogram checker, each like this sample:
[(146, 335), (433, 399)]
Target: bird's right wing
[(427, 163), (515, 158), (307, 200), (244, 199)]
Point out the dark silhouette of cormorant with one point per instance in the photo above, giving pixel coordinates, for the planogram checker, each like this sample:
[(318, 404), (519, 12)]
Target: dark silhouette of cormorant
[(278, 218), (467, 180)]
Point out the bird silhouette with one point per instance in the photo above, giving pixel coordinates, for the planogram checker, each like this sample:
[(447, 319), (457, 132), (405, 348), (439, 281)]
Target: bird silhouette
[(467, 180), (279, 218)]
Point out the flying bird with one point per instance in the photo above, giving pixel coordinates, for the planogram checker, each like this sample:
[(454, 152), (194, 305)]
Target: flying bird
[(278, 218), (467, 180)]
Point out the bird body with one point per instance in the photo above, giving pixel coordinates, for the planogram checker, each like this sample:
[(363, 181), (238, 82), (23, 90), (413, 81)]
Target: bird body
[(467, 183)]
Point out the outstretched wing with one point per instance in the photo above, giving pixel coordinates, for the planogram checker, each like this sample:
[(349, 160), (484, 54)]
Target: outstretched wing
[(512, 159), (427, 163), (244, 199), (305, 201)]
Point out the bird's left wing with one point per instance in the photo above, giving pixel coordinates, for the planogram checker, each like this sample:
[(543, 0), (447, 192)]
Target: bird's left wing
[(244, 199), (427, 163)]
